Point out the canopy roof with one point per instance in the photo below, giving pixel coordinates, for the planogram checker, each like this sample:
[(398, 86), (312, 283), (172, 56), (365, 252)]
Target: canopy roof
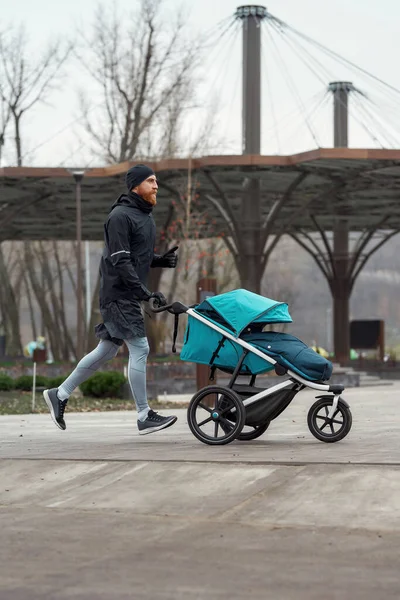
[(240, 308), (363, 185)]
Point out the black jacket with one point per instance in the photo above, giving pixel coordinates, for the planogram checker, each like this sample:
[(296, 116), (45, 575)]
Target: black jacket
[(129, 235)]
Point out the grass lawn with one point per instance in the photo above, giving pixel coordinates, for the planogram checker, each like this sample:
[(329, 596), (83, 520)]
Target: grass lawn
[(20, 403)]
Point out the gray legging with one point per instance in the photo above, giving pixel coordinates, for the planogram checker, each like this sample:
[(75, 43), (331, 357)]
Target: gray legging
[(106, 350)]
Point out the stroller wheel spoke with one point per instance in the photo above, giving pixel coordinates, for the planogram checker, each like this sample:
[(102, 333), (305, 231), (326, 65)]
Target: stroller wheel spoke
[(226, 410), (207, 408), (205, 421), (226, 422), (216, 429), (328, 421)]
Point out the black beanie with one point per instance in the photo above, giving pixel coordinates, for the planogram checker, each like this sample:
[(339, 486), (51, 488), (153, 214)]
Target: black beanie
[(136, 175)]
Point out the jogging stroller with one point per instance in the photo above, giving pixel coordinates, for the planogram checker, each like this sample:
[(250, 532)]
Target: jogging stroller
[(226, 333)]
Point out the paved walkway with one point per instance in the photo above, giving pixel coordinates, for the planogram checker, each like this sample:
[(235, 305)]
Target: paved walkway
[(98, 512)]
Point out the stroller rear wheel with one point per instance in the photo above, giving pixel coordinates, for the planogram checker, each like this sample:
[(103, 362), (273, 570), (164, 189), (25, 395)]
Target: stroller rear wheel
[(211, 424), (328, 429)]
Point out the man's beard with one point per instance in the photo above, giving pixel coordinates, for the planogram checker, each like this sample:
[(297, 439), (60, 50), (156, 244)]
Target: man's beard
[(150, 198)]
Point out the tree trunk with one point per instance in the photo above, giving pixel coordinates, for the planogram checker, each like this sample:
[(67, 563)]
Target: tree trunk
[(67, 343), (18, 143), (95, 317), (10, 311), (30, 305), (49, 328)]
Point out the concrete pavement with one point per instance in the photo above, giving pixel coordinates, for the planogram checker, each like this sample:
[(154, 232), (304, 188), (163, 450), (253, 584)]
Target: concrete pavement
[(99, 512)]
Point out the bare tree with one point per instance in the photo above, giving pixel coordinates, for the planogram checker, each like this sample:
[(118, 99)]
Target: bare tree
[(10, 293), (26, 80), (142, 68), (5, 114), (47, 269)]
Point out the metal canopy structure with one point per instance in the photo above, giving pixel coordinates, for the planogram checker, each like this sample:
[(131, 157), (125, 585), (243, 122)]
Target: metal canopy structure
[(348, 197), (39, 204)]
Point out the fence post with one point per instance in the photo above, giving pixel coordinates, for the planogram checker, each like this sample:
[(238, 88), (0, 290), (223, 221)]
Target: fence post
[(34, 387)]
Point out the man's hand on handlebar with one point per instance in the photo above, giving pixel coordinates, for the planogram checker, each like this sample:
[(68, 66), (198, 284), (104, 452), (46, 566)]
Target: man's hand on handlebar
[(159, 299)]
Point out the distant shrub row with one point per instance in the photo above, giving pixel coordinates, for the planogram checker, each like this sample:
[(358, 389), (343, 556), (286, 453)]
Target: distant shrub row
[(101, 385)]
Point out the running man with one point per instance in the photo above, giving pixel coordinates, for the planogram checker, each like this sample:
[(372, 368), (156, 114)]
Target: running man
[(129, 235)]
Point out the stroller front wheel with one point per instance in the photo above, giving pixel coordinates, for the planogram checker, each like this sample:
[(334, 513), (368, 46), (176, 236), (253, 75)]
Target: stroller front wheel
[(216, 415), (328, 429)]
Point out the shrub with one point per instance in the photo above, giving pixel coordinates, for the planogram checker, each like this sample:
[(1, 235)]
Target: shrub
[(55, 382), (6, 382), (104, 385), (25, 382)]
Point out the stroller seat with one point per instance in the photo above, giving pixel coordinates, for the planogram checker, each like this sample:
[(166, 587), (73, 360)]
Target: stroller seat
[(291, 353)]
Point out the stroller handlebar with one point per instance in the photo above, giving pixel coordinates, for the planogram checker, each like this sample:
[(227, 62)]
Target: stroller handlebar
[(175, 308), (154, 306)]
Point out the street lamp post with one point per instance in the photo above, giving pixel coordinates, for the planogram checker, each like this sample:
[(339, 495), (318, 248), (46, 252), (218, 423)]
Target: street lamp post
[(78, 177)]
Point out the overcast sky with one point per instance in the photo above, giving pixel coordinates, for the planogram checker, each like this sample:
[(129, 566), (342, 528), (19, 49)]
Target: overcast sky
[(364, 31)]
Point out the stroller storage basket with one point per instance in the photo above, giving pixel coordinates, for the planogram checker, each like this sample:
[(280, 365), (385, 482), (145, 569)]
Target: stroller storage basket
[(266, 409)]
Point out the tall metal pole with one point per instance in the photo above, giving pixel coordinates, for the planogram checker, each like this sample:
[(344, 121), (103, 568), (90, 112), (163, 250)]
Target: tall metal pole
[(78, 176), (87, 285), (251, 16), (342, 284), (340, 91)]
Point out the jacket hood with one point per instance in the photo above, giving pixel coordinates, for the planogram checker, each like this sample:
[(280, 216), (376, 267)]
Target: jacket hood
[(133, 200)]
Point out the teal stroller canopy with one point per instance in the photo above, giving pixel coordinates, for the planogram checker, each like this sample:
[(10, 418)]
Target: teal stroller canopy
[(238, 309), (232, 312)]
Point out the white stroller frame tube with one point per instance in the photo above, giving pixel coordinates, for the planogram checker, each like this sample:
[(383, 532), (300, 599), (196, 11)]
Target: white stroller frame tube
[(315, 386)]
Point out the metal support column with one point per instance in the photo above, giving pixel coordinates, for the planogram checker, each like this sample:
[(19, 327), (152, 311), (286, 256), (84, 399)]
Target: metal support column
[(251, 17), (341, 286), (250, 271)]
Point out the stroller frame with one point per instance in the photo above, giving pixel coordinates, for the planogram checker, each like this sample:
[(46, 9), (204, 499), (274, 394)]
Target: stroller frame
[(335, 389), (226, 406)]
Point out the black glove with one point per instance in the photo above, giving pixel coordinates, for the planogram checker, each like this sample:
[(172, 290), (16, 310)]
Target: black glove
[(159, 298), (169, 260)]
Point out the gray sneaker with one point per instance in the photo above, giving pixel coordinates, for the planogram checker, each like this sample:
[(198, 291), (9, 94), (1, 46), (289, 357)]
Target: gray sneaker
[(56, 407), (154, 422)]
